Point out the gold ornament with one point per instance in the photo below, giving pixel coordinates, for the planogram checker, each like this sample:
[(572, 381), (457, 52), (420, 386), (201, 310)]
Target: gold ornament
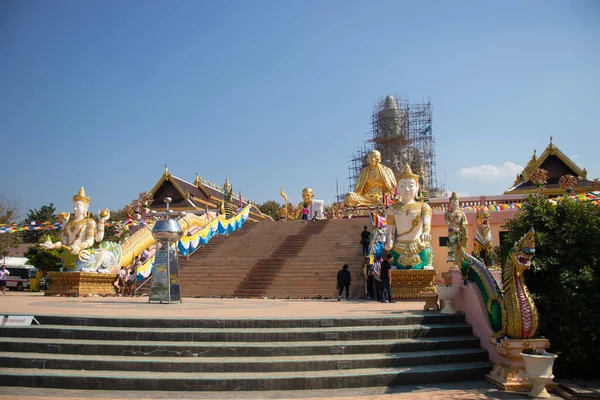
[(81, 196), (407, 173)]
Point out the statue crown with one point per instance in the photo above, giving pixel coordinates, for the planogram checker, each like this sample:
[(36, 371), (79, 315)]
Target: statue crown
[(407, 173), (454, 196), (81, 196)]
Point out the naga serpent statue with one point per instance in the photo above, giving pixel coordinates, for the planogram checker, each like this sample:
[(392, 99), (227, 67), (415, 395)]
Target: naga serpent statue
[(511, 311), (482, 242)]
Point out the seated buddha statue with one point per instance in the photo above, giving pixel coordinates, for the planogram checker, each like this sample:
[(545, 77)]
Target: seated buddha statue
[(308, 201), (79, 233), (409, 226), (374, 182)]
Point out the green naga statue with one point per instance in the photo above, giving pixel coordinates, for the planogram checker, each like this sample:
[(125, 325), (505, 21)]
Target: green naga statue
[(511, 311)]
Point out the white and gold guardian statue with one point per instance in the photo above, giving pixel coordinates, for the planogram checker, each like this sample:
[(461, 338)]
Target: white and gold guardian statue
[(409, 226), (78, 236)]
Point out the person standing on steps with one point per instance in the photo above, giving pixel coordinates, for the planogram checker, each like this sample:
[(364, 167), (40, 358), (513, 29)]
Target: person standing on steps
[(365, 238), (386, 279), (343, 281), (369, 278)]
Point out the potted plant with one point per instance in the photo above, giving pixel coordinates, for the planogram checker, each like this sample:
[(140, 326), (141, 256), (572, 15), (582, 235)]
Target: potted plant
[(538, 369), (447, 293)]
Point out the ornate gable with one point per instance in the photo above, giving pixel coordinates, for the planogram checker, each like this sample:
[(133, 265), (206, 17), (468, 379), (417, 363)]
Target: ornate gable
[(557, 164)]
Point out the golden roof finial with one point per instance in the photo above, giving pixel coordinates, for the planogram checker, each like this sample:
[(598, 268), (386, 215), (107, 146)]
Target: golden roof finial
[(551, 144), (198, 180), (81, 196), (167, 173), (407, 173)]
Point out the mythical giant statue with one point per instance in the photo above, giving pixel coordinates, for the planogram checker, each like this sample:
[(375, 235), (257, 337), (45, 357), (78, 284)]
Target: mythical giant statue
[(455, 218), (511, 311), (374, 182), (483, 245), (78, 236), (409, 226)]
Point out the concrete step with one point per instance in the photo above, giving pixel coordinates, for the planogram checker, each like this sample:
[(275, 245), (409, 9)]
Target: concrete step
[(231, 349), (238, 334), (239, 364), (146, 380)]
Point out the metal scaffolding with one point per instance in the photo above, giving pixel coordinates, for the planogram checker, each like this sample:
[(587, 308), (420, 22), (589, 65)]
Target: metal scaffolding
[(403, 133)]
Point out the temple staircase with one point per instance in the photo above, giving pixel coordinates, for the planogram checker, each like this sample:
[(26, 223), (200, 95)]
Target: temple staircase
[(277, 259), (200, 354)]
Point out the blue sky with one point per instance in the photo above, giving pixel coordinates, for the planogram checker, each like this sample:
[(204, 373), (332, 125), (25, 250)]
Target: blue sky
[(280, 93)]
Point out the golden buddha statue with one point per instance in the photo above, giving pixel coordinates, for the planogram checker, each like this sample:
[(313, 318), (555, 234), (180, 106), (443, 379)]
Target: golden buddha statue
[(307, 200), (374, 182), (78, 234), (409, 226)]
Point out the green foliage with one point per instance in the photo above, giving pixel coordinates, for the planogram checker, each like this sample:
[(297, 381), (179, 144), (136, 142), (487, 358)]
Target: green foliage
[(8, 213), (43, 214), (271, 208), (116, 233), (42, 259), (564, 278)]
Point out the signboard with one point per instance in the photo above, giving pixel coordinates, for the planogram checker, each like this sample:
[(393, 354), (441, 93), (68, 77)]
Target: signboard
[(18, 320), (163, 290)]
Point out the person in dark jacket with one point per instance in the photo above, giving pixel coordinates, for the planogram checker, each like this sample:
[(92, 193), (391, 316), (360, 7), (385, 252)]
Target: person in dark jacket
[(365, 237), (343, 281)]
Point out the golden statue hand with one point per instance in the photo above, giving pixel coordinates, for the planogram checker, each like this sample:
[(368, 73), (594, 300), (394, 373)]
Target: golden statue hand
[(74, 249), (64, 217), (426, 237)]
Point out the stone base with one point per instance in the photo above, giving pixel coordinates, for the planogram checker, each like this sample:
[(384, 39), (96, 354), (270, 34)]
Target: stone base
[(412, 283), (80, 283), (509, 373), (430, 302)]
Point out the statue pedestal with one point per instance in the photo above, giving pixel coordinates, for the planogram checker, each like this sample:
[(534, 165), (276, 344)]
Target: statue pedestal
[(509, 373), (80, 283), (412, 283)]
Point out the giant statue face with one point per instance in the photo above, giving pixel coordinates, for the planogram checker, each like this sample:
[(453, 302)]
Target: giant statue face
[(407, 189), (307, 195), (79, 209), (374, 157)]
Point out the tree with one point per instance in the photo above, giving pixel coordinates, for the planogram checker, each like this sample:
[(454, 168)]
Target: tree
[(45, 260), (564, 278), (43, 214), (8, 214), (271, 208)]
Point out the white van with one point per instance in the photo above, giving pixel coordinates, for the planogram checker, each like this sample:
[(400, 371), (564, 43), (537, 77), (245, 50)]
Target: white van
[(19, 273)]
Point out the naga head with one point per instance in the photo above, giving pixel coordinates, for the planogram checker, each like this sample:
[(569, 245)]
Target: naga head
[(483, 217), (524, 250)]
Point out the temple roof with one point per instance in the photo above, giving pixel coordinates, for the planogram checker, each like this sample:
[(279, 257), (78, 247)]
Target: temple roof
[(191, 196), (557, 164)]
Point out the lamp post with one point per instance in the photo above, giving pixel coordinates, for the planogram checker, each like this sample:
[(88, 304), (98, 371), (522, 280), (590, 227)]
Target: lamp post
[(165, 283)]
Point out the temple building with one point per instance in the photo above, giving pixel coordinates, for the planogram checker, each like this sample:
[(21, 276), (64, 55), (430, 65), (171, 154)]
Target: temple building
[(557, 165), (196, 196)]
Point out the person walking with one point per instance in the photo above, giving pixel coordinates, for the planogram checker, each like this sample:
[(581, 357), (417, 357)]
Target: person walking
[(365, 238), (3, 275), (370, 278), (343, 281), (305, 212), (386, 279), (377, 278)]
